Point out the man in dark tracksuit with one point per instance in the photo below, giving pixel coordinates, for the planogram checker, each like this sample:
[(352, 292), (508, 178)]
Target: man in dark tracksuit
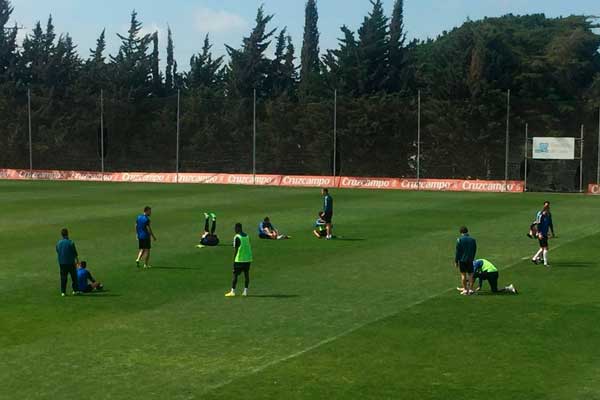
[(466, 249), (67, 260)]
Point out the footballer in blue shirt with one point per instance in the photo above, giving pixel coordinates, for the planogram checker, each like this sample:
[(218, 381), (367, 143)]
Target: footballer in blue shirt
[(144, 233)]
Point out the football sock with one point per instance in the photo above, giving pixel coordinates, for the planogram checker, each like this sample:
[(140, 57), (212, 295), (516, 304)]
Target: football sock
[(538, 254), (545, 257)]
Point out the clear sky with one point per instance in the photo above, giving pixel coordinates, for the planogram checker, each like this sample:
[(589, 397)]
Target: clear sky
[(228, 20)]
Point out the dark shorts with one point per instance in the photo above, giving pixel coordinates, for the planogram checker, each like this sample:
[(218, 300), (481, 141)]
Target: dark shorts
[(145, 244), (321, 233), (465, 267), (87, 289), (328, 217), (543, 242), (491, 277), (238, 268)]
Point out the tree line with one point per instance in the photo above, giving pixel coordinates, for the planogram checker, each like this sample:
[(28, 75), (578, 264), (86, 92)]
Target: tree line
[(550, 65)]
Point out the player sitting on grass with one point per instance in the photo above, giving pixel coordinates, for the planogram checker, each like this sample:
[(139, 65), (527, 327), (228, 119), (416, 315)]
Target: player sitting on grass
[(85, 280), (320, 227), (266, 230), (483, 270), (209, 237)]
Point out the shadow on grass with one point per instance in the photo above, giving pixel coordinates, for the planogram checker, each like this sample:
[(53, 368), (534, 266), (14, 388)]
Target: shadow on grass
[(99, 294), (173, 268), (346, 239), (274, 296), (573, 265)]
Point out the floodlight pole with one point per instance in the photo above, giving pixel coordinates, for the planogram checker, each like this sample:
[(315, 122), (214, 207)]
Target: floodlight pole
[(507, 140), (177, 140), (526, 155), (334, 133), (102, 132), (581, 161), (29, 119), (254, 139), (419, 140), (598, 172)]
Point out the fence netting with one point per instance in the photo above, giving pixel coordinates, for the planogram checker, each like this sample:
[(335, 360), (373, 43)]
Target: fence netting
[(373, 136)]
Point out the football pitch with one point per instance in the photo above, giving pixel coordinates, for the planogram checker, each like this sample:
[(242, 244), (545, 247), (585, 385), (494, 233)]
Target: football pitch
[(373, 314)]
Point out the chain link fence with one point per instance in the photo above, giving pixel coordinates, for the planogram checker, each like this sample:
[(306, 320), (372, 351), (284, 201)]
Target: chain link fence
[(411, 136)]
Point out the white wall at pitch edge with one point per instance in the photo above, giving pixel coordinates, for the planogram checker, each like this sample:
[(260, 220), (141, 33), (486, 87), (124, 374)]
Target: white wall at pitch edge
[(547, 148)]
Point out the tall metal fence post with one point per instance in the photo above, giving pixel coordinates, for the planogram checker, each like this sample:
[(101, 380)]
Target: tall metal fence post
[(178, 132), (526, 156), (507, 150), (334, 133), (254, 139), (102, 132), (598, 172), (419, 140), (29, 119), (581, 161)]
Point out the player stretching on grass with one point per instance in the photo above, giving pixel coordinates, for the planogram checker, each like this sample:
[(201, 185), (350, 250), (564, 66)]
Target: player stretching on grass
[(483, 270), (144, 233), (327, 211), (542, 234), (67, 260), (466, 249), (86, 281), (242, 258), (209, 237)]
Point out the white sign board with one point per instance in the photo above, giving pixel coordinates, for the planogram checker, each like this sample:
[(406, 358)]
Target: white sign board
[(553, 148)]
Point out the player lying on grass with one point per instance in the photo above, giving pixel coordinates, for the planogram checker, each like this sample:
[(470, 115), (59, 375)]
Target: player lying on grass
[(85, 280), (484, 270), (320, 227), (242, 258), (209, 237), (266, 230)]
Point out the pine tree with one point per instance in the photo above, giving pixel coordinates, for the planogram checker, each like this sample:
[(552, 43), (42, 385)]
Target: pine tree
[(310, 69), (8, 43), (249, 67), (171, 67), (34, 59), (64, 65), (97, 54), (283, 75), (343, 64), (205, 72), (132, 64), (397, 51), (373, 50)]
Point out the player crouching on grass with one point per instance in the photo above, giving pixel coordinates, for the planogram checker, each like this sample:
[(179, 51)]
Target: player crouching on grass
[(242, 258), (85, 280), (209, 237), (483, 270), (320, 227), (266, 230)]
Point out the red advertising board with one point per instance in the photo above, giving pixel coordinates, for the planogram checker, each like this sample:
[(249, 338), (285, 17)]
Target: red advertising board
[(347, 182)]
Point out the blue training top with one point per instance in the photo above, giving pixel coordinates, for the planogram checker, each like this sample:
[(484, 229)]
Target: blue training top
[(66, 251), (82, 278), (141, 227), (263, 225)]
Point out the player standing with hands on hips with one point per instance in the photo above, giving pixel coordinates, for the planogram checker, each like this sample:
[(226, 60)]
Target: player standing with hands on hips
[(144, 233)]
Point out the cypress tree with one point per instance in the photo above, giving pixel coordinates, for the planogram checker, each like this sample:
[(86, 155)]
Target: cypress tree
[(205, 72), (155, 66), (171, 68), (8, 43), (310, 68), (397, 51), (373, 50)]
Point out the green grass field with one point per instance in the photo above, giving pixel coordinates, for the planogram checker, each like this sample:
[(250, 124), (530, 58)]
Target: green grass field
[(373, 315)]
